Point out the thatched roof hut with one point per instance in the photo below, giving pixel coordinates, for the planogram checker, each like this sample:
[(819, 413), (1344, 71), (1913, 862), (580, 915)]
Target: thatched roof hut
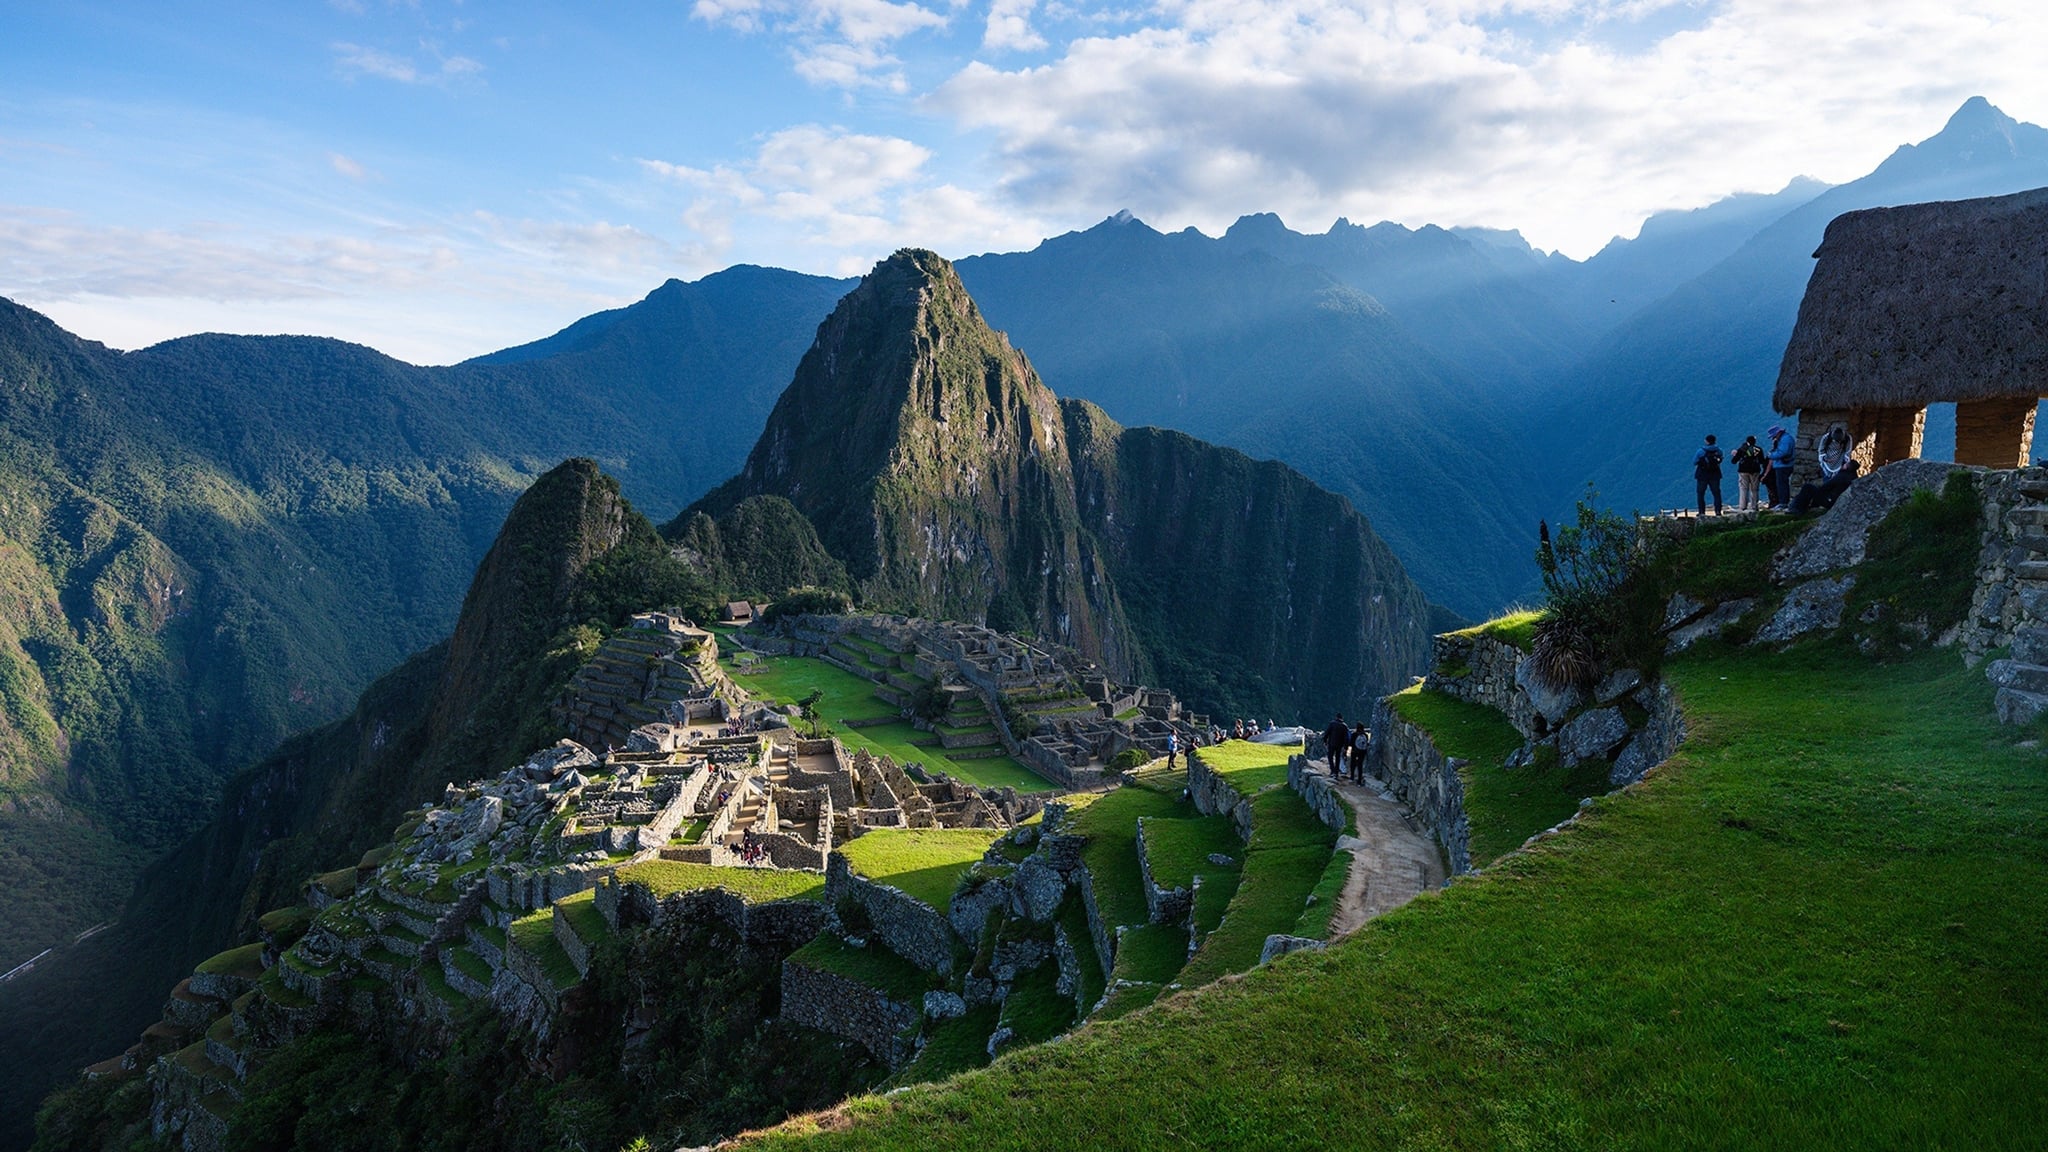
[(1922, 304)]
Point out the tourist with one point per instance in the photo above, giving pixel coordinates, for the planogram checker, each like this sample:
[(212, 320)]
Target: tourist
[(1237, 729), (1749, 469), (1335, 739), (1778, 465), (1360, 741), (1822, 496), (1706, 474), (1172, 748)]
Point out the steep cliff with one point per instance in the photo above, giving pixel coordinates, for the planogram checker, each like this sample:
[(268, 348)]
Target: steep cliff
[(953, 483)]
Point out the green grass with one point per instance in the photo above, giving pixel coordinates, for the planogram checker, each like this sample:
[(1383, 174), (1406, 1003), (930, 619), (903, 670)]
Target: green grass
[(1504, 808), (692, 831), (1035, 1010), (1178, 849), (1248, 766), (493, 933), (287, 924), (245, 962), (754, 885), (1723, 562), (437, 983), (951, 1047), (1315, 919), (472, 965), (925, 863), (849, 697), (875, 966), (275, 990), (1823, 925), (1516, 628), (340, 883), (1285, 861), (584, 919), (535, 935), (1110, 822), (1153, 952)]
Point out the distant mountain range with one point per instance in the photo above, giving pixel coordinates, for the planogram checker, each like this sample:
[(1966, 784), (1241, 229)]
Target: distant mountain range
[(211, 543)]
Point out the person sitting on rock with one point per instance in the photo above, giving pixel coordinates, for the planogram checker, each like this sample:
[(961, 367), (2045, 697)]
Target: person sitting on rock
[(1822, 496)]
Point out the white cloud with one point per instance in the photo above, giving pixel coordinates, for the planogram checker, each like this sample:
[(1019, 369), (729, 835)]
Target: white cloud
[(347, 167), (826, 198), (355, 60), (1545, 115), (1009, 27), (837, 43)]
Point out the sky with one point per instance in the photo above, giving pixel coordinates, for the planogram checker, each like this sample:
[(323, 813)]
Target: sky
[(438, 179)]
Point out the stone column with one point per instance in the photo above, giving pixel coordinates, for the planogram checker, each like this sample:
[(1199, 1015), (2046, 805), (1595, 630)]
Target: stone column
[(1995, 433), (1880, 436)]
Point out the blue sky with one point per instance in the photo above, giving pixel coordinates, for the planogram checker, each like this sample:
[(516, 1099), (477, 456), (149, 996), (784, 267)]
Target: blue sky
[(438, 179)]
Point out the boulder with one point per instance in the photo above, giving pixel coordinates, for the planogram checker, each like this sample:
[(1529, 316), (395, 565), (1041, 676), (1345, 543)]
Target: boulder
[(1812, 607), (2017, 675), (944, 1005), (1036, 890), (2030, 645), (1617, 684), (1553, 704), (1592, 735), (1681, 609), (2017, 706), (1712, 624), (1842, 535), (1280, 944)]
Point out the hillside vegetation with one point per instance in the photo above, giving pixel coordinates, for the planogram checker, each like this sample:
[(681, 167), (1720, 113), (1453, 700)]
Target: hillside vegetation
[(1818, 926)]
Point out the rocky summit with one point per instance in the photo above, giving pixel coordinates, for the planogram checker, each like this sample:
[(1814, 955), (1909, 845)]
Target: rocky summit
[(954, 484)]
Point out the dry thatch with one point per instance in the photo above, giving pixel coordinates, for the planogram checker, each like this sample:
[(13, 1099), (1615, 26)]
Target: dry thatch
[(1924, 304)]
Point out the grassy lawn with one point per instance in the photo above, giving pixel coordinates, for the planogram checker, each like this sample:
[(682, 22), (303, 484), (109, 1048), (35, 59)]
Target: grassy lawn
[(1516, 628), (1504, 808), (1110, 822), (1035, 1011), (849, 697), (1178, 849), (584, 919), (1152, 952), (951, 1046), (1315, 919), (535, 935), (754, 885), (245, 962), (472, 965), (874, 966), (1248, 766), (1285, 861), (924, 862), (1824, 924)]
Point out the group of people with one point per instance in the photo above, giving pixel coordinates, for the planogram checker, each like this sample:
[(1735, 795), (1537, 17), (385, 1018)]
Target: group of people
[(1247, 729), (751, 851), (740, 726), (1346, 746), (1764, 472)]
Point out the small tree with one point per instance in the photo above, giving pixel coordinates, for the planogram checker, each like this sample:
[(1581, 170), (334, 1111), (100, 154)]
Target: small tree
[(1595, 581)]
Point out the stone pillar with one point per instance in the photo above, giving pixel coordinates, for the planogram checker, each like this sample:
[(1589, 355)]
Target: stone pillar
[(1995, 433), (1880, 436)]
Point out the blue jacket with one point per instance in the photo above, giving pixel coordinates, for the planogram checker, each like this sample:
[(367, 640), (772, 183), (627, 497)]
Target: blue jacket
[(1781, 452), (1706, 464)]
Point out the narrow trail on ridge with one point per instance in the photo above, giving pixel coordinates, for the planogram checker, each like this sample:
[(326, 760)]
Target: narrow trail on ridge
[(1392, 862)]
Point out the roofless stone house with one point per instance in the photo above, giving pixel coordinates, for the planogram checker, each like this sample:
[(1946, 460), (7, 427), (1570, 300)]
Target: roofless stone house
[(1919, 305)]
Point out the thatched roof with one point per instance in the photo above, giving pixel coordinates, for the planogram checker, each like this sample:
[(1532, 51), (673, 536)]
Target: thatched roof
[(1924, 304)]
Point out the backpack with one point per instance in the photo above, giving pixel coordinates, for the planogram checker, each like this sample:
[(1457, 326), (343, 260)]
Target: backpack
[(1361, 741)]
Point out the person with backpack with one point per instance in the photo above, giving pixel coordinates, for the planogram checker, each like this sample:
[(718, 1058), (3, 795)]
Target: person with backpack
[(1336, 738), (1778, 465), (1706, 474), (1360, 741), (1172, 749), (1749, 470)]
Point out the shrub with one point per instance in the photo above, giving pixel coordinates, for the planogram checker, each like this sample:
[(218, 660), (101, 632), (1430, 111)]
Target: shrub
[(1604, 603), (809, 601)]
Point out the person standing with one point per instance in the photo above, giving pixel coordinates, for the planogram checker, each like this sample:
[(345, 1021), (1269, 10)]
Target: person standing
[(1360, 741), (1172, 748), (1749, 469), (1336, 739), (1779, 465), (1706, 474)]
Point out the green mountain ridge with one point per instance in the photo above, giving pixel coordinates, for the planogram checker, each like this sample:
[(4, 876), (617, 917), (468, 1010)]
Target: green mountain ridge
[(954, 484)]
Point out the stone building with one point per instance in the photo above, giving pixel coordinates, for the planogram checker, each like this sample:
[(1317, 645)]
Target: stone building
[(1918, 305)]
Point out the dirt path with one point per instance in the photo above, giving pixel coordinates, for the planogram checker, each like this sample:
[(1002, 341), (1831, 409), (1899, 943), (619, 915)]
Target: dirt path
[(1392, 861)]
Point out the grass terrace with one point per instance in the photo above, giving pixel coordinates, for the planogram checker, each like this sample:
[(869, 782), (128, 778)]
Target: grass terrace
[(1036, 1010), (1285, 861), (1110, 822), (951, 1046), (245, 962), (1177, 850), (1815, 928), (535, 935), (1516, 628), (1504, 808), (1248, 766), (926, 863), (580, 911), (754, 885), (875, 966), (788, 679)]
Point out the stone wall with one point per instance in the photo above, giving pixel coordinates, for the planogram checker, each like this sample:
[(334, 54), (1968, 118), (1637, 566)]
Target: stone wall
[(911, 928), (1162, 905), (1215, 796), (1655, 741), (1424, 779), (1319, 792), (778, 924), (832, 1003), (1487, 677)]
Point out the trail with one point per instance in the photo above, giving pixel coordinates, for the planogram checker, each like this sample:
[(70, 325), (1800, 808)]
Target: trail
[(1392, 861)]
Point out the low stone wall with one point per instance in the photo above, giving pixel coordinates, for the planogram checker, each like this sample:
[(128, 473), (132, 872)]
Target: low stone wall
[(1162, 905), (776, 924), (911, 928), (832, 1003), (1215, 796), (1319, 792), (565, 935), (1488, 676), (1425, 779)]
